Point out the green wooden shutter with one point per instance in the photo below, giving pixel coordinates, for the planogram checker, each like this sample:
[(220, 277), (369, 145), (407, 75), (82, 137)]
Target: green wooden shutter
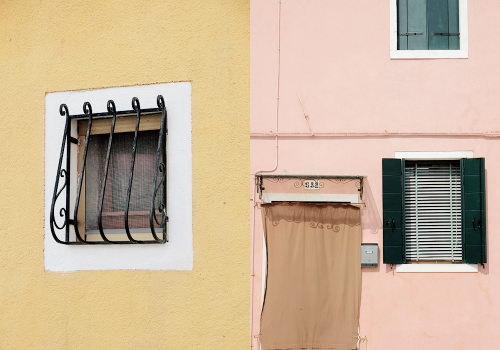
[(412, 24), (402, 6), (419, 20), (393, 221), (437, 22), (417, 23), (442, 18), (473, 211), (453, 25)]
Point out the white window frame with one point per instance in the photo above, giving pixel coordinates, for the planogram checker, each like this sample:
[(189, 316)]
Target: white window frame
[(435, 267), (177, 254), (429, 54)]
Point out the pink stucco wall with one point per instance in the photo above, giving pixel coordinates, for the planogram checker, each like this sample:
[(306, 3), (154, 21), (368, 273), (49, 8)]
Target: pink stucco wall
[(335, 54)]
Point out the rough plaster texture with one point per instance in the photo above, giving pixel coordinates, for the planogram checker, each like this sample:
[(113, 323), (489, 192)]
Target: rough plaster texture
[(336, 55), (74, 45)]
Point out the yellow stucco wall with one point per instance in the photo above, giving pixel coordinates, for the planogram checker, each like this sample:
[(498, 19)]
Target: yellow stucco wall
[(48, 46)]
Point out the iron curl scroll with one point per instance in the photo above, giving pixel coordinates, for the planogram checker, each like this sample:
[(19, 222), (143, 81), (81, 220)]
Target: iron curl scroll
[(160, 167), (64, 174), (62, 212), (60, 222)]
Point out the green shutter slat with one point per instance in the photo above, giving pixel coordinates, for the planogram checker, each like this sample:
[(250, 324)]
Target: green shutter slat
[(392, 197), (417, 23), (474, 211), (437, 22), (402, 6), (454, 24)]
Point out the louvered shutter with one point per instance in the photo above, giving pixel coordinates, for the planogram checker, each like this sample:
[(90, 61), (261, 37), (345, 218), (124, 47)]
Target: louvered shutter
[(419, 20), (474, 208), (392, 197), (433, 211)]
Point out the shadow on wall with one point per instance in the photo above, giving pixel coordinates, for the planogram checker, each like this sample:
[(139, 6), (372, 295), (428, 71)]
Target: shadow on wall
[(485, 269), (370, 217), (371, 220)]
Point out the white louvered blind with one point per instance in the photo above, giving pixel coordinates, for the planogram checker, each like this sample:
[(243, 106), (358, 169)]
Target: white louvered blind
[(433, 211)]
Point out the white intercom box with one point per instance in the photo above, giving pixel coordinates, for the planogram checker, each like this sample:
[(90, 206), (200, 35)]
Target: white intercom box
[(369, 254)]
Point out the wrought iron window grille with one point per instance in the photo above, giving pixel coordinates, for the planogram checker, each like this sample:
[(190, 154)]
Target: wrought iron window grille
[(64, 174)]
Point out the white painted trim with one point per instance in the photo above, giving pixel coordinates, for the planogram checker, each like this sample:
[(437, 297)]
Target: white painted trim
[(437, 268), (177, 254), (306, 197), (446, 155), (429, 54)]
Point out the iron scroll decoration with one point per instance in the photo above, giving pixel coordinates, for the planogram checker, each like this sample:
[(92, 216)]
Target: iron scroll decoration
[(64, 176)]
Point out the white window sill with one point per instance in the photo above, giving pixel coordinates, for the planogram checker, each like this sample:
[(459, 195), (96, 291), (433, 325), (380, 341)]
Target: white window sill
[(428, 54), (437, 268)]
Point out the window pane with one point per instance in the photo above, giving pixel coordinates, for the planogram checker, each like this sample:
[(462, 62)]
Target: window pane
[(402, 24), (417, 23), (115, 198), (454, 24), (438, 23)]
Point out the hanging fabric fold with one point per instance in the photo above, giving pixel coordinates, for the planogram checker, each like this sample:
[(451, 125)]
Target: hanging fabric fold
[(313, 282)]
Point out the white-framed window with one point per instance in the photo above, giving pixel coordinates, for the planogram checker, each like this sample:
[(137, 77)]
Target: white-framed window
[(422, 29), (434, 211), (177, 254)]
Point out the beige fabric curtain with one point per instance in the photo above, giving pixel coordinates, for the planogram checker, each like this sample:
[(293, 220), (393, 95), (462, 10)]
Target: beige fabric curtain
[(313, 285)]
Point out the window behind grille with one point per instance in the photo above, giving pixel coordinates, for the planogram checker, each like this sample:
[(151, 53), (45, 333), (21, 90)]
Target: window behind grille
[(115, 197), (433, 211), (113, 186)]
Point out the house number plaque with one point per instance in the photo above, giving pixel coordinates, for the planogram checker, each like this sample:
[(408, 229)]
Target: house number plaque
[(311, 184)]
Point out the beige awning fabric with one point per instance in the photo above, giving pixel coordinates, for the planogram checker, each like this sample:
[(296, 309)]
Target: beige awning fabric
[(313, 286)]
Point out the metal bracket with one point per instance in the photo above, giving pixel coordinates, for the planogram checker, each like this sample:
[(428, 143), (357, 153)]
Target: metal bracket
[(260, 187), (392, 223), (447, 34), (360, 188), (410, 33)]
